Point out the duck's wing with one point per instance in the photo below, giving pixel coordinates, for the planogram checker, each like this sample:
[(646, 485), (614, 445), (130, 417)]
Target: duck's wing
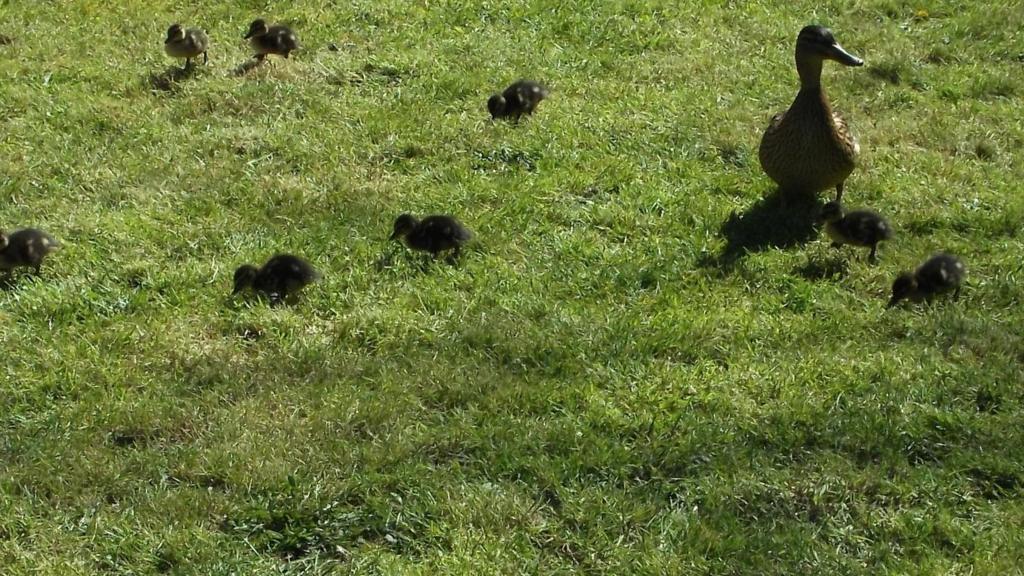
[(845, 134)]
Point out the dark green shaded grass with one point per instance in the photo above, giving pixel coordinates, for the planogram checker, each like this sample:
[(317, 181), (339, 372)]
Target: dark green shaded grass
[(614, 379)]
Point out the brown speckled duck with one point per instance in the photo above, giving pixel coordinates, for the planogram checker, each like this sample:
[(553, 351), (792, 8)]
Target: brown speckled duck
[(857, 227), (25, 248), (939, 274), (522, 97), (809, 148), (187, 44), (281, 276), (277, 39)]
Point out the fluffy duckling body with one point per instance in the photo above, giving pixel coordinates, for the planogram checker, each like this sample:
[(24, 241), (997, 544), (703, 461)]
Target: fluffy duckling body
[(809, 147), (25, 248), (434, 234), (939, 274), (522, 97), (187, 44), (277, 39), (283, 275), (857, 227)]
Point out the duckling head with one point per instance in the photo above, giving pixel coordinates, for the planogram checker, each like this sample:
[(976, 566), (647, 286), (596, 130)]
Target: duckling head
[(175, 33), (3, 240), (496, 106), (257, 28), (244, 277), (403, 225), (904, 285), (831, 212), (818, 43)]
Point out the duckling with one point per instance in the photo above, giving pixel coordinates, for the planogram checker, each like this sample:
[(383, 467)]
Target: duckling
[(433, 234), (187, 44), (278, 39), (810, 148), (859, 227), (281, 276), (25, 248), (522, 97), (939, 274)]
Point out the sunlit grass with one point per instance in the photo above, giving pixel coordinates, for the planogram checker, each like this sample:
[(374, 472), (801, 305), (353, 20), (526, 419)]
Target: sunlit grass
[(625, 374)]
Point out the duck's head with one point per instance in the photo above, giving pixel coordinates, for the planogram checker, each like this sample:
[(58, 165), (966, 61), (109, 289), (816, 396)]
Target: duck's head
[(244, 277), (496, 106), (818, 43), (175, 33), (831, 212), (904, 285), (403, 225), (257, 28)]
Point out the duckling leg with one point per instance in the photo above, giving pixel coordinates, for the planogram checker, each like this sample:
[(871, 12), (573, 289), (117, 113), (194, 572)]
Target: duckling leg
[(873, 258), (839, 192), (205, 57)]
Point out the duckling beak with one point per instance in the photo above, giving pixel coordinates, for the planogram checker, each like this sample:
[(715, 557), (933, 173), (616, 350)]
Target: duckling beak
[(893, 301), (394, 235), (837, 53), (247, 35)]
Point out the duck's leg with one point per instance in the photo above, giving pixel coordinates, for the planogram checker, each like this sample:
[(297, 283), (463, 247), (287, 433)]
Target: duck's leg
[(453, 258)]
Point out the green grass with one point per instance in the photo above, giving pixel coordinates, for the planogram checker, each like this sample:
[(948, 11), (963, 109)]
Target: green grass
[(624, 375)]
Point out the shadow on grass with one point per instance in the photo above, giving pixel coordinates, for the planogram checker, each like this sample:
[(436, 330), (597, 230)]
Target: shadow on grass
[(245, 67), (167, 81), (818, 268), (770, 223), (14, 279)]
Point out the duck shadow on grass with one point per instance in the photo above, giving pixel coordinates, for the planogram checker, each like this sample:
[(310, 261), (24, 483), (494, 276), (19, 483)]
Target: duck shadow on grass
[(408, 263), (246, 66), (771, 223), (168, 80)]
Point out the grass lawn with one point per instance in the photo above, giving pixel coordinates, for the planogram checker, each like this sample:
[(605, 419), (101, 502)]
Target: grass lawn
[(635, 369)]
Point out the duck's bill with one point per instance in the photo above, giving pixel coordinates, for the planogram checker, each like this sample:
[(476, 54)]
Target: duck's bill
[(837, 53)]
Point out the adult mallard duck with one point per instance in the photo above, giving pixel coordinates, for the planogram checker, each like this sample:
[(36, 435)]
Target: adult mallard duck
[(278, 39), (939, 274), (187, 44), (857, 227), (809, 148), (25, 248), (282, 275), (522, 97), (433, 234)]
